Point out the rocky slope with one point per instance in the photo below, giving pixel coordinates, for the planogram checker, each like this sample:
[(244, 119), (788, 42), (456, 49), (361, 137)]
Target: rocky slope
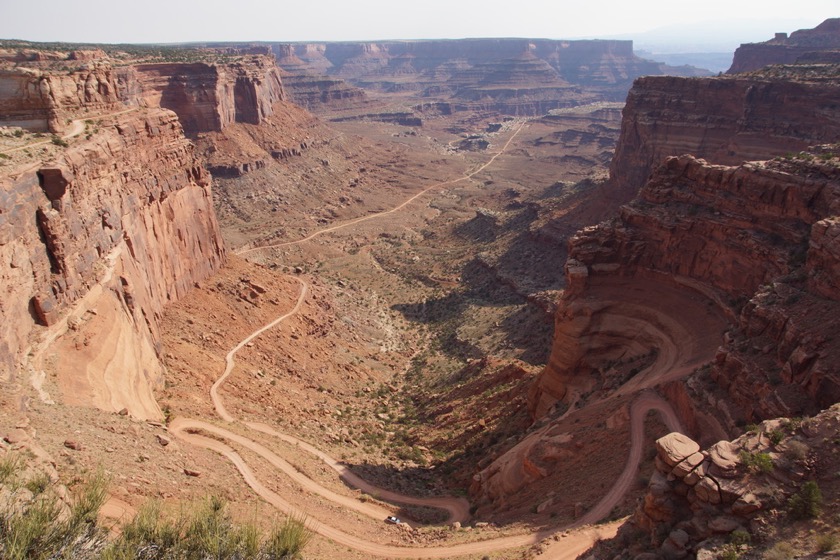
[(513, 76), (101, 230), (740, 497), (805, 44), (724, 120)]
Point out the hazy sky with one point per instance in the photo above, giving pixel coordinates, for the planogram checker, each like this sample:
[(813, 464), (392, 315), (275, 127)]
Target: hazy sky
[(118, 21)]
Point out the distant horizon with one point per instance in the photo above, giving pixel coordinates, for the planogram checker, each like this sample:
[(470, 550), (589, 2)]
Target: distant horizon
[(167, 22)]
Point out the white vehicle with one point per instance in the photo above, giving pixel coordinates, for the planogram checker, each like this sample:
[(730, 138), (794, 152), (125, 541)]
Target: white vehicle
[(393, 520)]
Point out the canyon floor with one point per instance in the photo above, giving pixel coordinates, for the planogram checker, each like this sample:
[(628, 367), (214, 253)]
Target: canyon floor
[(391, 342)]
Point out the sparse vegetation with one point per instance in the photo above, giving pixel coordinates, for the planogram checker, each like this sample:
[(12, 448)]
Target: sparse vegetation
[(59, 142), (41, 527), (807, 503), (780, 551), (757, 462), (827, 542)]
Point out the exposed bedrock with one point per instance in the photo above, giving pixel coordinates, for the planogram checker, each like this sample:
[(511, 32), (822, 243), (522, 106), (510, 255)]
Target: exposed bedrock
[(803, 45), (725, 120), (720, 236), (514, 76), (43, 101), (116, 227), (209, 97)]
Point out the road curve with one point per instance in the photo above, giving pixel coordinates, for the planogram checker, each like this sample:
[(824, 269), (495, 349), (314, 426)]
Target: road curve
[(189, 430), (392, 210)]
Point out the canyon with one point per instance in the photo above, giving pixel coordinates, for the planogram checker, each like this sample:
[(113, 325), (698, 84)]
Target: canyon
[(471, 269)]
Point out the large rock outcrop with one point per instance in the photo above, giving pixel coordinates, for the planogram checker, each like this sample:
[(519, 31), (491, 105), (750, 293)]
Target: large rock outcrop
[(760, 232), (811, 45), (42, 101), (207, 97), (697, 499), (97, 241), (726, 120)]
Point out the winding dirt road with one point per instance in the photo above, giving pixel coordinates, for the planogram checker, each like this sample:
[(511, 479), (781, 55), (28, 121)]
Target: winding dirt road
[(190, 430), (572, 542)]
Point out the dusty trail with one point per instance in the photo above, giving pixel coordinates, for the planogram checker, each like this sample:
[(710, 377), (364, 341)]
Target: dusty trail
[(408, 201), (575, 542)]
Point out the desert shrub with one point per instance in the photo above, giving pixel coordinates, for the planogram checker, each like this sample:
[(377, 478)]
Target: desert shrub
[(776, 436), (729, 552), (9, 465), (288, 540), (739, 537), (827, 542), (41, 528), (807, 503), (779, 551), (757, 462), (31, 532), (59, 142), (796, 450)]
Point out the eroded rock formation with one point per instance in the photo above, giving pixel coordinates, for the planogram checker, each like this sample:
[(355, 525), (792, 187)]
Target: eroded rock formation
[(806, 45), (513, 76), (97, 242), (726, 235), (723, 120), (697, 498), (209, 97)]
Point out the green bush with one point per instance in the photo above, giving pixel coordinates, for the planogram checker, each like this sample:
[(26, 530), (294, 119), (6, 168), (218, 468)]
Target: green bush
[(739, 537), (807, 504), (288, 540), (757, 462), (59, 142)]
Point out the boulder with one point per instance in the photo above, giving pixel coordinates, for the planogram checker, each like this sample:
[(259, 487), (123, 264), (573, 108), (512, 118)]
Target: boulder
[(688, 464), (707, 490), (675, 447), (746, 504), (725, 460)]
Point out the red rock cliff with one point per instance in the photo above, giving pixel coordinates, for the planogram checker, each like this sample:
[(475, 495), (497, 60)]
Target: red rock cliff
[(723, 120), (98, 241), (724, 235), (208, 97), (801, 45)]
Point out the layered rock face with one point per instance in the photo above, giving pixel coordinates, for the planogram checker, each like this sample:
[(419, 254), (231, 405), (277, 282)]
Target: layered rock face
[(206, 96), (312, 90), (514, 76), (803, 45), (43, 101), (723, 120), (209, 97), (98, 241), (724, 234)]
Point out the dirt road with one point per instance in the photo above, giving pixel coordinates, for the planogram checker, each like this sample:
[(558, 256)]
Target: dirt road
[(570, 540), (187, 430), (355, 221)]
